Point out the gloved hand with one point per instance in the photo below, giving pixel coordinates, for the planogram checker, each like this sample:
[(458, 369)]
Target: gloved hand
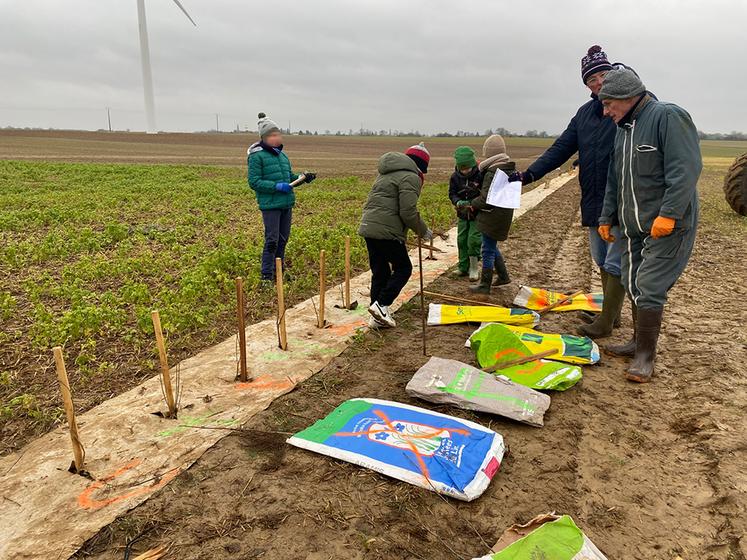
[(309, 177), (462, 203), (427, 236), (283, 187), (662, 227), (604, 233), (525, 177)]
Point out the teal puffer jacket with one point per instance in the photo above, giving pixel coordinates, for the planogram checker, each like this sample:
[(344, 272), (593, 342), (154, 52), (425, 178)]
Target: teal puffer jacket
[(392, 205), (268, 166)]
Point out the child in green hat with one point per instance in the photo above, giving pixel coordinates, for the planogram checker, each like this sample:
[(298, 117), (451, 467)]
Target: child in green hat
[(464, 186)]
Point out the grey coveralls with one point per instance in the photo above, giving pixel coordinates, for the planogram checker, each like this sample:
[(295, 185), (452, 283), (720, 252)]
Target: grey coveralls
[(653, 172)]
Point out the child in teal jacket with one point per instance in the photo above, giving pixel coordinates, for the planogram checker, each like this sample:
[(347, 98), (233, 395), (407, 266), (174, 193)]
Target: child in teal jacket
[(270, 177)]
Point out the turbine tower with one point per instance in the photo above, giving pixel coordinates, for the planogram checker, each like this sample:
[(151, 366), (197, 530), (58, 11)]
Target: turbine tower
[(150, 110)]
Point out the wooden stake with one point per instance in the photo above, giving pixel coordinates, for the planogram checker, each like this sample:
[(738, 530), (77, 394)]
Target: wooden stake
[(282, 335), (461, 300), (560, 302), (422, 296), (79, 453), (430, 249), (165, 374), (347, 272), (243, 373), (435, 249), (522, 360), (322, 287)]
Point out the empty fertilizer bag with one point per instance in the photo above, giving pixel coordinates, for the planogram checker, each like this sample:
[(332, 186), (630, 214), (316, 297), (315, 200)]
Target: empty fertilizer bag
[(434, 451), (547, 536), (439, 314), (492, 339), (537, 298), (452, 382)]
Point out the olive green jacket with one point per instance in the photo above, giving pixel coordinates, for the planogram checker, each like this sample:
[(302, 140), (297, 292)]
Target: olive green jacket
[(392, 205)]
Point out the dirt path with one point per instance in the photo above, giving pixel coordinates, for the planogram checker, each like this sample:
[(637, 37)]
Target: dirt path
[(650, 472)]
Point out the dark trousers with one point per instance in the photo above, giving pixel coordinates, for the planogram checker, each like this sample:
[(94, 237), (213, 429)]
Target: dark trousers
[(277, 231), (390, 269)]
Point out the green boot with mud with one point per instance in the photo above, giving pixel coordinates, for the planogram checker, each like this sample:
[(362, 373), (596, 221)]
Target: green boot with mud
[(646, 336), (626, 349), (614, 296), (486, 278)]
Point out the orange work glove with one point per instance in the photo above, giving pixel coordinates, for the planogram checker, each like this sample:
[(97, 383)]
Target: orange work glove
[(662, 227), (604, 233)]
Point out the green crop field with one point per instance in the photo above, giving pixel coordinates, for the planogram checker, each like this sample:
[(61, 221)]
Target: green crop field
[(88, 250)]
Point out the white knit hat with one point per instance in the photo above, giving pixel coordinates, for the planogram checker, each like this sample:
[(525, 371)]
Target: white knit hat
[(265, 125)]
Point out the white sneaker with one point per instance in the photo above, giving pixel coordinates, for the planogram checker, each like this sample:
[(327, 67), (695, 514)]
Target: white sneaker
[(381, 314), (374, 324), (474, 269)]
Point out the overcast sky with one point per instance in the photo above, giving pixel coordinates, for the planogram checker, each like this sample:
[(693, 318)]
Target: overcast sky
[(430, 65)]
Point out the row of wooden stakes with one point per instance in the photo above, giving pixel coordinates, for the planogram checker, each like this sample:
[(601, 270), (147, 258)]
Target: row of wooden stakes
[(170, 395)]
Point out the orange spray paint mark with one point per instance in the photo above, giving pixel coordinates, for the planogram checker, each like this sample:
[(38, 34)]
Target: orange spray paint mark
[(86, 500)]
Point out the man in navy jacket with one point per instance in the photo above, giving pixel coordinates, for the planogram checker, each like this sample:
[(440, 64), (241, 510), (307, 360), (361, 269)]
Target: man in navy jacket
[(592, 135)]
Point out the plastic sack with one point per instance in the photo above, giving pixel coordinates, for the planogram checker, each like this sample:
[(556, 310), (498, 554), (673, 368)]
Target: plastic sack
[(546, 536), (439, 314), (434, 451), (569, 348), (451, 382), (537, 298)]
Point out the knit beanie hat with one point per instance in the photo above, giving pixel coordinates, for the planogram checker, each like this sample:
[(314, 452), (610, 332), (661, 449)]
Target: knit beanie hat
[(420, 155), (464, 156), (265, 126), (494, 145), (594, 61), (621, 84)]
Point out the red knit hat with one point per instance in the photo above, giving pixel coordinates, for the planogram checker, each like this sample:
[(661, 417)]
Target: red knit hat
[(420, 155)]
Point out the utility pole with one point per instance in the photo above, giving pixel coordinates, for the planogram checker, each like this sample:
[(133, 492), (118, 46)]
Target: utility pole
[(217, 125), (109, 118)]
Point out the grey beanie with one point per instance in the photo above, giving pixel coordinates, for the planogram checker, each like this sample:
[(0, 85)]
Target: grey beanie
[(621, 83), (265, 125)]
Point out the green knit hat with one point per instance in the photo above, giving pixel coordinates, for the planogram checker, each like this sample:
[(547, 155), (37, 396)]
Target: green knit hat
[(464, 156)]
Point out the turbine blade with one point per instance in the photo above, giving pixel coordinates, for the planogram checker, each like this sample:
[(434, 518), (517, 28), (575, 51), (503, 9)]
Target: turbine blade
[(185, 12)]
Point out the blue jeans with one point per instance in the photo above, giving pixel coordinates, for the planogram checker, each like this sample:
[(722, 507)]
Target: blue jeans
[(490, 251), (606, 255), (277, 231)]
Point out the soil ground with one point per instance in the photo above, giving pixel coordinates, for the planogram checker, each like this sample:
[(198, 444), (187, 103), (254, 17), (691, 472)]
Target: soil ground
[(329, 156), (649, 472)]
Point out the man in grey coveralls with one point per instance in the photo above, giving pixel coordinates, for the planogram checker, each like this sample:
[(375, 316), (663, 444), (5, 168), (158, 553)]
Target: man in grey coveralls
[(651, 193)]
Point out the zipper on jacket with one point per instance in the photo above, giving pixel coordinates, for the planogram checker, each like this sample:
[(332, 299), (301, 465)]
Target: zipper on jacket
[(630, 170)]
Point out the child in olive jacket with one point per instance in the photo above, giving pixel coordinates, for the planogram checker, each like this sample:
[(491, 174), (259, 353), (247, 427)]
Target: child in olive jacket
[(464, 186), (493, 222), (270, 177)]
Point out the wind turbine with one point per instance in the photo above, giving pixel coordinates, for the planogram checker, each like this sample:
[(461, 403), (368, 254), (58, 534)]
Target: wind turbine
[(150, 110)]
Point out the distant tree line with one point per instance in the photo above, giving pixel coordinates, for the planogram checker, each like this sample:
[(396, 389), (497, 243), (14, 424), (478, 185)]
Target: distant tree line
[(733, 135)]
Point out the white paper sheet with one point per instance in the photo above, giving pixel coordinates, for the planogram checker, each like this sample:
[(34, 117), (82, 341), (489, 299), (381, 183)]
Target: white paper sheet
[(503, 194)]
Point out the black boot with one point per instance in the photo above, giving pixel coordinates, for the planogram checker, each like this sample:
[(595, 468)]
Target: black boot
[(614, 296), (501, 272), (486, 277), (626, 349), (646, 337)]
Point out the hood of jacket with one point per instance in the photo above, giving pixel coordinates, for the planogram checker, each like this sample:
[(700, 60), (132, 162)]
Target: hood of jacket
[(396, 161)]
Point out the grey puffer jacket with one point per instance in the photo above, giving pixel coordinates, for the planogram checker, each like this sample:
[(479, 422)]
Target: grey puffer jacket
[(654, 169), (392, 205)]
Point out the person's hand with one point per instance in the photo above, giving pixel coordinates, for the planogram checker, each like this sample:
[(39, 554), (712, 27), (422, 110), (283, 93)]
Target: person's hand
[(309, 177), (462, 203), (283, 187), (662, 227), (605, 233), (524, 176), (428, 235)]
